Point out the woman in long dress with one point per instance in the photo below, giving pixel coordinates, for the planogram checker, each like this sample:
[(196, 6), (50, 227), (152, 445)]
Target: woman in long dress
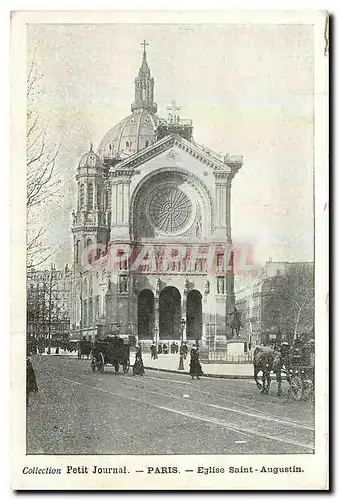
[(138, 368), (195, 366), (31, 385)]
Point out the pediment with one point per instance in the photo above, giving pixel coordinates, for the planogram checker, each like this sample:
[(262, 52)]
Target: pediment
[(176, 147)]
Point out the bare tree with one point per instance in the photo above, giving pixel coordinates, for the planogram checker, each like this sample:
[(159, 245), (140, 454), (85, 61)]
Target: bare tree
[(289, 301), (42, 178)]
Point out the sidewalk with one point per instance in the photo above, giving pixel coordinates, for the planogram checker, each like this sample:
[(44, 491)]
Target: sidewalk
[(170, 363)]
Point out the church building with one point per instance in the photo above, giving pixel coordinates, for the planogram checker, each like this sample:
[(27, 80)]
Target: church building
[(152, 240)]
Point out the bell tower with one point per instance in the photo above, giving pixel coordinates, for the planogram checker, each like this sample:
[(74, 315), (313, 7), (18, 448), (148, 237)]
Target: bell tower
[(91, 220), (144, 87)]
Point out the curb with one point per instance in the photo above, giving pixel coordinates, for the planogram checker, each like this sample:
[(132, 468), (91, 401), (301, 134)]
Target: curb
[(208, 375)]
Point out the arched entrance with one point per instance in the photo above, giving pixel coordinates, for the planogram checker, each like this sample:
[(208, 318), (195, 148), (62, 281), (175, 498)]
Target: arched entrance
[(145, 314), (170, 313), (194, 315)]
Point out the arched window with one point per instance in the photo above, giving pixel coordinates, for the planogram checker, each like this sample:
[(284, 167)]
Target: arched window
[(90, 195), (97, 307), (82, 196), (89, 250), (84, 313), (77, 252), (99, 197), (90, 311)]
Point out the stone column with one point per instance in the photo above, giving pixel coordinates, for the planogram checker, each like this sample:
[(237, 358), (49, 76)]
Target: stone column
[(220, 199), (85, 196), (126, 201), (228, 210), (184, 314), (119, 203), (156, 320), (114, 203)]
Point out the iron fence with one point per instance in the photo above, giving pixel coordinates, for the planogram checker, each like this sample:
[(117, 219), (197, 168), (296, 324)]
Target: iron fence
[(222, 356)]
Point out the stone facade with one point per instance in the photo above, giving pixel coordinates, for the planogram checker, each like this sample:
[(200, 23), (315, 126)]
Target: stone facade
[(152, 234)]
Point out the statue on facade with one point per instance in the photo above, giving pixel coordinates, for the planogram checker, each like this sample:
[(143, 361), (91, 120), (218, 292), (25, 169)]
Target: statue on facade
[(198, 228), (187, 286), (207, 287)]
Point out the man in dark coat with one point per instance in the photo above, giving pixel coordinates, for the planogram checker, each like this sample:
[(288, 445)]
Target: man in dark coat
[(153, 351), (31, 385), (195, 366)]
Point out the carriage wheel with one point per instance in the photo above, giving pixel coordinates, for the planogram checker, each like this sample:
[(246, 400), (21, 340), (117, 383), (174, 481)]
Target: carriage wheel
[(126, 366), (297, 387)]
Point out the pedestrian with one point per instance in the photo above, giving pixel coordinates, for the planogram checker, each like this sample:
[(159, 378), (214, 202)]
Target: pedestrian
[(185, 350), (153, 350), (31, 385), (195, 366), (159, 349), (138, 367), (165, 348)]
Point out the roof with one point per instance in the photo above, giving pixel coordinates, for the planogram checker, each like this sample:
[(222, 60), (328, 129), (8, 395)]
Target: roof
[(130, 135)]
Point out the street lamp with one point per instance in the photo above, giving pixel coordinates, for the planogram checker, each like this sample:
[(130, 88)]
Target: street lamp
[(156, 331), (182, 323), (181, 360), (156, 339)]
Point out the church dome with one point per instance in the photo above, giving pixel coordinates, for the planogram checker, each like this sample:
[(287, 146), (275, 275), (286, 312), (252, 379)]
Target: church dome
[(133, 133), (90, 159)]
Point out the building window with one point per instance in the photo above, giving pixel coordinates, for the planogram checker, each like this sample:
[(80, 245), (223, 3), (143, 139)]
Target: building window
[(77, 252), (85, 313), (91, 285), (99, 197), (146, 144), (90, 311), (220, 286), (220, 262), (122, 284), (90, 195), (89, 250), (82, 196), (96, 313)]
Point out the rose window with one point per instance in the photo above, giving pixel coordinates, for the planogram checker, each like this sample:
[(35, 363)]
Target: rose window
[(170, 209)]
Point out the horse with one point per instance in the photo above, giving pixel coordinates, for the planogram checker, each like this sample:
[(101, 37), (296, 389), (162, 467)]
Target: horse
[(266, 360)]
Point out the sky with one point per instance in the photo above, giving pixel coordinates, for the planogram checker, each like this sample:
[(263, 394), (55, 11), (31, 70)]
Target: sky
[(247, 88)]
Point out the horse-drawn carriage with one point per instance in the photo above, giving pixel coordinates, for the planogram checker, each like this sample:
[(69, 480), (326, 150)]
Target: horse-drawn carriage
[(296, 362), (84, 348), (299, 369), (113, 351)]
